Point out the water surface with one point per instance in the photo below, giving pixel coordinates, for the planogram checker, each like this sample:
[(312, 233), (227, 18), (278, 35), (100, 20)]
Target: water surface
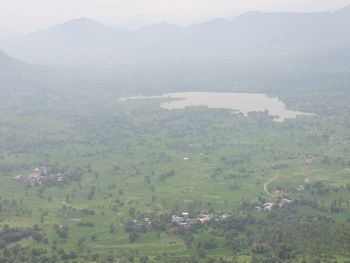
[(240, 102)]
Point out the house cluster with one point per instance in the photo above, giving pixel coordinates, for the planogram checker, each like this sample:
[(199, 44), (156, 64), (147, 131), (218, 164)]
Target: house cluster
[(139, 224), (302, 187), (40, 175), (185, 219), (267, 207)]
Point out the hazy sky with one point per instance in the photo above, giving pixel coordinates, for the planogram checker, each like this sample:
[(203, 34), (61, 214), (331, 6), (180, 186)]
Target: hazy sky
[(23, 16)]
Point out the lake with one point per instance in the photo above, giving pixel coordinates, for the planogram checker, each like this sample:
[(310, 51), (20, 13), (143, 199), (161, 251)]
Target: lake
[(239, 102)]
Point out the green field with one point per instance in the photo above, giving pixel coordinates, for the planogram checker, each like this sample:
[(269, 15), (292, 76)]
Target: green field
[(132, 160)]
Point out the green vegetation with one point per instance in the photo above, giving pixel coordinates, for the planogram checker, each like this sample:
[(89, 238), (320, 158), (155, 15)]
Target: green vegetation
[(129, 166)]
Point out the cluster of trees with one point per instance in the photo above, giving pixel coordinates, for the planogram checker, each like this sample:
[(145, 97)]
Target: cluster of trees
[(10, 235), (62, 231), (282, 236), (12, 207), (166, 175)]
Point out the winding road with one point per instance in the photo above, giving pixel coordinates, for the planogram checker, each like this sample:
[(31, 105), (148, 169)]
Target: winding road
[(266, 185)]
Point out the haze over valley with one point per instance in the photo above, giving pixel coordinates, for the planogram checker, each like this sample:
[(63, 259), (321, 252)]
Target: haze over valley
[(224, 141)]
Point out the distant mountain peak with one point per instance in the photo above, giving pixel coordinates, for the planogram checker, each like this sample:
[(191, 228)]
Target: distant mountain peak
[(83, 21), (77, 26)]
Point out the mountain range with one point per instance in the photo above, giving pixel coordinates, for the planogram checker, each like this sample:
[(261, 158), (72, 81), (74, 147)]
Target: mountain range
[(87, 42)]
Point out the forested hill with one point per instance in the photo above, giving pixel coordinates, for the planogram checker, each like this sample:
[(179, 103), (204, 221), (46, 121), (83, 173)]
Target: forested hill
[(274, 74), (334, 59), (27, 84), (7, 62), (11, 74), (88, 42)]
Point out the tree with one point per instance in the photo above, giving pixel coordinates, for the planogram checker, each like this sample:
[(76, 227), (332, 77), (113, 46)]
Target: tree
[(133, 236), (112, 228), (38, 237), (2, 244)]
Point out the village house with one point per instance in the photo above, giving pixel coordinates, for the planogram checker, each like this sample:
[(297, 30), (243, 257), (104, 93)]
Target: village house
[(278, 192), (40, 175), (139, 224), (286, 201), (300, 188), (268, 207), (258, 209), (308, 161)]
